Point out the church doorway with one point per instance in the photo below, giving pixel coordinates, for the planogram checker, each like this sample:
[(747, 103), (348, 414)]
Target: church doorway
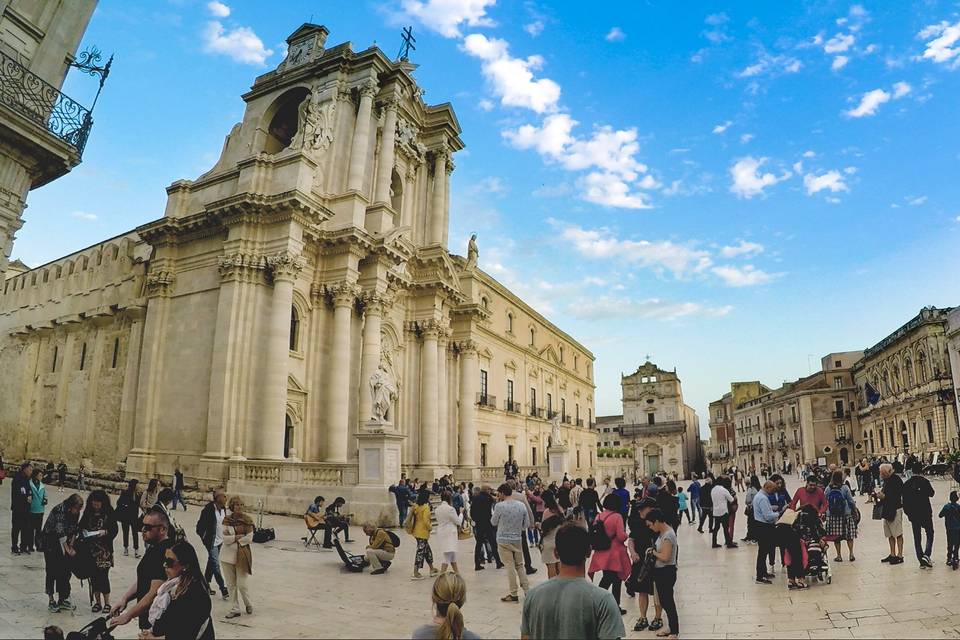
[(652, 455), (844, 456)]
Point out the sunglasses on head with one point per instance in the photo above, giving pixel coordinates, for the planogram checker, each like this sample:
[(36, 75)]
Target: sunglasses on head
[(169, 562)]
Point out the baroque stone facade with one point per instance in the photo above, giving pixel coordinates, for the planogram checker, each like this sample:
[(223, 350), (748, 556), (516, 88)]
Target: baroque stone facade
[(723, 438), (238, 335), (662, 430)]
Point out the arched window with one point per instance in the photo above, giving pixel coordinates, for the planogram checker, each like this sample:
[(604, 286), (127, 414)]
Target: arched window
[(287, 437), (509, 323), (533, 336), (908, 371), (285, 120), (561, 353), (485, 303), (896, 379), (921, 367), (294, 329)]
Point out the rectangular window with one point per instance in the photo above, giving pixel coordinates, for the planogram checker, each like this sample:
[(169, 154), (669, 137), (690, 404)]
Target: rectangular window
[(483, 454), (929, 430), (510, 395), (483, 387), (838, 408), (533, 456), (116, 352), (53, 368), (838, 383), (549, 403), (563, 409), (616, 443), (83, 355), (509, 452), (533, 400), (576, 408), (837, 364), (589, 416), (578, 458), (793, 412), (650, 418)]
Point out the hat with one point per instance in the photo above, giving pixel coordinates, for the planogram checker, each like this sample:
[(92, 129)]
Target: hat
[(647, 503)]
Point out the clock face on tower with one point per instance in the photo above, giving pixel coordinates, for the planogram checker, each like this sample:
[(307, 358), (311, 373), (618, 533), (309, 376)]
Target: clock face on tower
[(300, 51)]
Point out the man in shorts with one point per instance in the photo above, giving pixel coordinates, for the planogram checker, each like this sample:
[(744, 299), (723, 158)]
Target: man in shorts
[(891, 500)]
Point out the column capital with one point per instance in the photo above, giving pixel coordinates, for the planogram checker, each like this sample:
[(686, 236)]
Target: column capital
[(285, 266), (467, 348), (343, 294), (376, 301), (241, 265), (450, 165), (367, 88), (160, 283)]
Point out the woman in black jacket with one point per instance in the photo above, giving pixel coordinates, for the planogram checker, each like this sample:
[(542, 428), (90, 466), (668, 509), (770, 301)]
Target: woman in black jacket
[(98, 528), (182, 606), (128, 515)]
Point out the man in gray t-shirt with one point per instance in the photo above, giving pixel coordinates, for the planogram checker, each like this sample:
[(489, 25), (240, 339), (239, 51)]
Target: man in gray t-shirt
[(568, 606)]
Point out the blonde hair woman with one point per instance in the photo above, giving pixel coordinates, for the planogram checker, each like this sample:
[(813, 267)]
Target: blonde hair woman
[(236, 558), (449, 595)]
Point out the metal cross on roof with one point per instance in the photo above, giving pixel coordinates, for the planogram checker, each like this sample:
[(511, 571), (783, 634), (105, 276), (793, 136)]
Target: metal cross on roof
[(408, 40)]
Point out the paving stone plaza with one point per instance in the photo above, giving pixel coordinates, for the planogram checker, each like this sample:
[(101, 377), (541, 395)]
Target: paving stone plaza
[(307, 594)]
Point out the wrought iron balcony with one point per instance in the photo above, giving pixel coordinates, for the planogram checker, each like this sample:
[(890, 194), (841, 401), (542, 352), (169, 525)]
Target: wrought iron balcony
[(844, 440), (839, 415), (579, 422), (536, 412), (43, 104), (551, 415), (511, 407), (566, 419), (487, 401)]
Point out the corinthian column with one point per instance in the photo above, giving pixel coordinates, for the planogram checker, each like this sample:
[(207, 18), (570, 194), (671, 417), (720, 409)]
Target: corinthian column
[(439, 196), (344, 295), (267, 438), (385, 166), (443, 395), (361, 137), (428, 394), (468, 427), (373, 305)]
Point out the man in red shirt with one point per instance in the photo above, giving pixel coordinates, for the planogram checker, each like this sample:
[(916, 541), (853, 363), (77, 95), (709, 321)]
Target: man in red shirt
[(811, 495)]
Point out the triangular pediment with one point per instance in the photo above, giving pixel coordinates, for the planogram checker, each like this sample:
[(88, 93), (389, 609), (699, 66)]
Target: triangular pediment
[(305, 29), (549, 353), (294, 385)]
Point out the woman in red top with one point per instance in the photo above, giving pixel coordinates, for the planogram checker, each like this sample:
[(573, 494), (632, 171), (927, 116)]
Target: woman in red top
[(615, 561)]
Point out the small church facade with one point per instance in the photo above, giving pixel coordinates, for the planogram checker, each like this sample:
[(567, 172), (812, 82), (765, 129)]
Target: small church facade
[(294, 323), (662, 431)]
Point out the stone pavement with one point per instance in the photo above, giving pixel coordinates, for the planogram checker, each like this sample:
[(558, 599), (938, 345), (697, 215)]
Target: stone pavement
[(306, 594)]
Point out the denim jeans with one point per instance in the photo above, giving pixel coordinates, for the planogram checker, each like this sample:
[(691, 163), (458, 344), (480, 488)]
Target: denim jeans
[(213, 567)]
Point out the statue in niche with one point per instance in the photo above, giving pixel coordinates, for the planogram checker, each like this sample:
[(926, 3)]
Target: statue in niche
[(383, 393), (472, 253), (315, 131), (556, 439)]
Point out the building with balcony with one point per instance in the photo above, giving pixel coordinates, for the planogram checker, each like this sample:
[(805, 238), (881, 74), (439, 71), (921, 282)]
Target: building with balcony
[(295, 322), (906, 390), (723, 435), (663, 432), (42, 131), (810, 419)]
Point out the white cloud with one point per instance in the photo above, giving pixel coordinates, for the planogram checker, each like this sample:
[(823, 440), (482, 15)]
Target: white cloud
[(839, 62), (742, 248), (615, 34), (720, 128), (490, 184), (218, 9), (83, 215), (746, 276), (901, 89), (774, 65), (916, 201), (512, 78), (552, 190), (831, 180), (944, 44), (534, 28), (240, 44), (716, 19), (447, 16), (869, 103), (746, 137), (747, 179), (808, 154), (678, 259), (549, 139), (485, 105), (611, 190), (649, 309), (839, 43)]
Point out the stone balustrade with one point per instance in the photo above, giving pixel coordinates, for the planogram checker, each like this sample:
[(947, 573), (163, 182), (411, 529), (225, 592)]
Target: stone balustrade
[(297, 473)]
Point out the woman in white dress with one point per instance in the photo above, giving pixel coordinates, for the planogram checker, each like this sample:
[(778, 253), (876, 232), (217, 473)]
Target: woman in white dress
[(448, 524)]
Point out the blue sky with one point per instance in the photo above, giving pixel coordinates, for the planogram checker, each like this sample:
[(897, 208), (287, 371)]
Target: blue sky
[(734, 189)]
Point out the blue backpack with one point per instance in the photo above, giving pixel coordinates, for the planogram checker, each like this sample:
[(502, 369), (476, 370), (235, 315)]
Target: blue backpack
[(836, 503)]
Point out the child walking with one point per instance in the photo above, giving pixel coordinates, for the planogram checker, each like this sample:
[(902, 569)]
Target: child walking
[(951, 520)]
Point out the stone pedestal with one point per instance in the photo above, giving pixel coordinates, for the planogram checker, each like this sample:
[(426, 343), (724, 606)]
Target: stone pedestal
[(557, 461), (379, 455)]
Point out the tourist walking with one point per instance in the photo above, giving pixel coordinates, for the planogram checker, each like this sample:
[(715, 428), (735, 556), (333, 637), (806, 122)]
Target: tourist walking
[(210, 529), (178, 487), (763, 518), (520, 496), (420, 529), (448, 596), (128, 515), (481, 509), (150, 573), (20, 499), (890, 496), (624, 495), (403, 496), (59, 534), (665, 551), (380, 549), (721, 499), (82, 477), (589, 501), (236, 556), (706, 503), (61, 476), (182, 607), (917, 492), (951, 522), (553, 518), (511, 518), (609, 552), (38, 504), (448, 528), (683, 506), (569, 606), (641, 582), (841, 523), (98, 525), (753, 488), (150, 497)]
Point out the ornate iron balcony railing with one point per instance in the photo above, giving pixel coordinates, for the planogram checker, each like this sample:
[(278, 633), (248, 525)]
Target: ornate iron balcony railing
[(42, 103)]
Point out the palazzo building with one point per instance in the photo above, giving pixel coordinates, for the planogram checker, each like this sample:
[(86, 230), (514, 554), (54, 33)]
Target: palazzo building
[(295, 324), (723, 438), (907, 393), (42, 131), (663, 432)]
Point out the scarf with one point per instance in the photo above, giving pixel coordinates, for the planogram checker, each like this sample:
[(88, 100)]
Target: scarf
[(242, 525), (162, 599)]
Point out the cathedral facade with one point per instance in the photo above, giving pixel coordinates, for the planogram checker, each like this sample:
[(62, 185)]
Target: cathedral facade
[(295, 324)]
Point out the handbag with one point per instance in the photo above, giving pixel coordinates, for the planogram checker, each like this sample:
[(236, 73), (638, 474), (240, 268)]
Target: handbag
[(410, 522), (878, 511), (856, 516), (465, 532)]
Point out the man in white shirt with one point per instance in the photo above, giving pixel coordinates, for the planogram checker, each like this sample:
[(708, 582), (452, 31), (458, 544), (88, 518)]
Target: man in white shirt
[(722, 498)]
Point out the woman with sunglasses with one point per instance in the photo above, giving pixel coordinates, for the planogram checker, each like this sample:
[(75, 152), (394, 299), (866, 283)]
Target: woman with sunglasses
[(181, 608)]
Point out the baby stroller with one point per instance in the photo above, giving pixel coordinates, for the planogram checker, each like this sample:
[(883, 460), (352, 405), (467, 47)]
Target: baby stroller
[(817, 565), (96, 630)]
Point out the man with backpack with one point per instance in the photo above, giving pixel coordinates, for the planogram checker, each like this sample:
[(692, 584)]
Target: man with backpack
[(917, 492), (381, 549)]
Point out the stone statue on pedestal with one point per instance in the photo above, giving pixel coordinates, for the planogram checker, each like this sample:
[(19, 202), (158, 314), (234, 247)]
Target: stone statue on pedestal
[(472, 253), (383, 392), (556, 440)]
